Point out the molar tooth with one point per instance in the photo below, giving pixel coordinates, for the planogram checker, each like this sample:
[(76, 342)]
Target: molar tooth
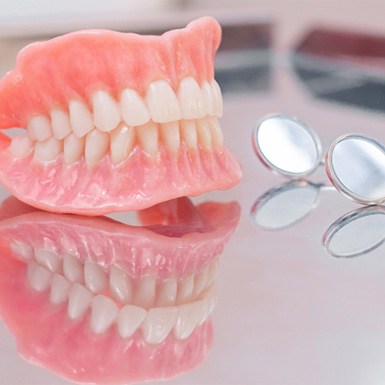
[(189, 133), (61, 125), (188, 317), (38, 277), (106, 111), (20, 146), (96, 146), (94, 277), (122, 141), (191, 99), (48, 150), (216, 132), (209, 98), (167, 293), (204, 134), (133, 108), (120, 285), (79, 300), (158, 324), (80, 117), (129, 319), (185, 290), (39, 128), (217, 98), (170, 135), (22, 250), (162, 102), (72, 268), (48, 259), (104, 312), (148, 137), (145, 292), (60, 288), (73, 148)]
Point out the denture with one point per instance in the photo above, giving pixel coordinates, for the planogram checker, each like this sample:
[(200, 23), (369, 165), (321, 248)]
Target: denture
[(95, 300), (115, 121)]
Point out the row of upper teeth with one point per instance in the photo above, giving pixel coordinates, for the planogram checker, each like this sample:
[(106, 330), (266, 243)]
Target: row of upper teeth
[(205, 133), (155, 323), (160, 105)]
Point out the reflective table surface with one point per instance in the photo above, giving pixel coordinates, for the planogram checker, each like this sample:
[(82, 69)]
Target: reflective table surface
[(301, 282)]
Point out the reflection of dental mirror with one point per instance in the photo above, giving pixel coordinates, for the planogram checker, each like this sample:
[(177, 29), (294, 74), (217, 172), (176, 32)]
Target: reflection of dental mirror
[(286, 145), (356, 233), (356, 166), (285, 205)]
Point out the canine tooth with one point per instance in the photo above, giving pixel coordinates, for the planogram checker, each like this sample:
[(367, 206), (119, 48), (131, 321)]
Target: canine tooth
[(48, 259), (167, 293), (22, 250), (158, 323), (39, 128), (94, 277), (148, 137), (122, 141), (96, 146), (145, 292), (60, 288), (48, 150), (61, 125), (185, 290), (217, 98), (162, 102), (188, 317), (20, 146), (38, 277), (106, 111), (73, 148), (104, 312), (129, 319), (216, 132), (204, 134), (72, 268), (79, 300), (80, 117), (120, 285), (209, 98), (170, 135), (189, 133), (191, 99), (133, 108)]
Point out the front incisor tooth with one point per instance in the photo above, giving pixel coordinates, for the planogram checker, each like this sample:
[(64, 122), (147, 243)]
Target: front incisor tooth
[(216, 132), (217, 98), (170, 135), (20, 146), (104, 312), (39, 128), (80, 117), (48, 150), (73, 148), (122, 141), (191, 99), (61, 125), (97, 144), (94, 277), (189, 133), (106, 111), (79, 300), (148, 137), (162, 102), (133, 108), (129, 319), (167, 293), (204, 134)]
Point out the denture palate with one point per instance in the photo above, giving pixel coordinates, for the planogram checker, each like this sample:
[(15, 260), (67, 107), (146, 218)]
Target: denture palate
[(162, 117)]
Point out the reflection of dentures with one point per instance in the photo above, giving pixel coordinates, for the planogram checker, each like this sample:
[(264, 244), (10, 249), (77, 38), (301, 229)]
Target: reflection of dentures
[(144, 108), (114, 302)]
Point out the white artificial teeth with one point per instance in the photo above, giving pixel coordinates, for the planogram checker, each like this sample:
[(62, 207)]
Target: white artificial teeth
[(158, 323), (60, 288), (162, 102), (79, 300), (22, 250), (39, 278), (209, 98), (72, 268), (185, 290), (73, 148), (48, 150), (39, 128), (61, 125), (148, 137), (167, 293), (122, 141), (191, 99), (204, 134), (133, 108), (106, 111), (170, 135), (20, 146), (48, 259), (104, 312), (216, 132), (217, 98), (120, 285), (188, 317), (145, 292), (201, 280), (94, 277), (97, 144), (189, 133), (129, 319), (80, 117)]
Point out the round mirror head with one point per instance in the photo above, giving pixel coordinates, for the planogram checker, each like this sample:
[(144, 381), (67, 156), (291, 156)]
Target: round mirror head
[(285, 205), (287, 145), (356, 233), (355, 165)]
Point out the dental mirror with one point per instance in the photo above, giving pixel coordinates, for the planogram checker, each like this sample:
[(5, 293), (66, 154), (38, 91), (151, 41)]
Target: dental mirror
[(285, 205), (355, 165), (286, 145), (356, 233)]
